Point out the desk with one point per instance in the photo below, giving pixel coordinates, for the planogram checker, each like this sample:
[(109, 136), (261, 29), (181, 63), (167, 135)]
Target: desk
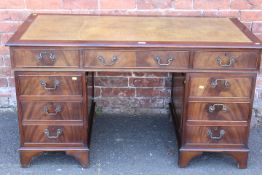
[(213, 61)]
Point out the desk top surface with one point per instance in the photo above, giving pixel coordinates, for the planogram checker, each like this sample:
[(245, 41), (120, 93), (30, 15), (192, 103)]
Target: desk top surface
[(131, 31)]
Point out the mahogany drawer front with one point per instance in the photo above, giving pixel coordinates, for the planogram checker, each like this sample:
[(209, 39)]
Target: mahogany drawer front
[(45, 58), (221, 86), (226, 60), (50, 84), (163, 59), (198, 111), (52, 134), (48, 111), (216, 135), (109, 59)]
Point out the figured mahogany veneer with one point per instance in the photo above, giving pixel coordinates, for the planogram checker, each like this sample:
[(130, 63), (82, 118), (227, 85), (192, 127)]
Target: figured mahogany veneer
[(56, 135), (220, 85), (213, 63), (216, 136), (51, 110), (226, 60), (50, 84), (218, 111), (45, 57)]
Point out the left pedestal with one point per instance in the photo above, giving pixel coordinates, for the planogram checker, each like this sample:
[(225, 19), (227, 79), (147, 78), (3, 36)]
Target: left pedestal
[(55, 111)]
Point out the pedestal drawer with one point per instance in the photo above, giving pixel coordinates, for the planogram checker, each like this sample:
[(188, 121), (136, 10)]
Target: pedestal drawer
[(48, 111), (216, 135), (48, 83), (109, 59), (52, 134), (226, 60), (224, 85), (163, 59), (46, 57), (214, 111)]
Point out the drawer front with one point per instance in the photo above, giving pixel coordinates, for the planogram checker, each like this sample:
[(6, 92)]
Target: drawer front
[(216, 135), (109, 59), (50, 84), (48, 111), (226, 60), (52, 134), (221, 86), (45, 58), (218, 111), (163, 59)]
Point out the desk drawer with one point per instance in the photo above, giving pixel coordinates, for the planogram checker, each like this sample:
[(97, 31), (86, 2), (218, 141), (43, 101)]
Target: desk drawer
[(163, 59), (109, 59), (226, 60), (51, 111), (45, 58), (48, 83), (221, 86), (198, 111), (52, 134), (216, 135)]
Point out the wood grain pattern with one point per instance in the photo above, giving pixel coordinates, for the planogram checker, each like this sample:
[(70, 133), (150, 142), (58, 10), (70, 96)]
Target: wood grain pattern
[(201, 86), (35, 134), (178, 59), (40, 57), (105, 59), (198, 135), (229, 60), (30, 84), (35, 111), (199, 111)]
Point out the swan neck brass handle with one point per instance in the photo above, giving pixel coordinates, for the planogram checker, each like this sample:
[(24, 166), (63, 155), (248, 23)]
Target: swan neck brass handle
[(58, 109), (214, 83), (230, 63), (50, 56), (57, 134), (169, 61), (103, 61), (43, 83), (213, 107), (216, 138)]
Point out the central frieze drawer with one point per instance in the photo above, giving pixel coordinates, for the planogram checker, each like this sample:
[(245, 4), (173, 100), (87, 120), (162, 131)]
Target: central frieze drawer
[(109, 59), (52, 134), (215, 111), (163, 59), (221, 86), (51, 111), (216, 135), (48, 83), (226, 60), (45, 58)]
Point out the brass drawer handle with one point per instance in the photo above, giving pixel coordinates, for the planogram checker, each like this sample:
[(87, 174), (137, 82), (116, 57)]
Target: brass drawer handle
[(214, 83), (103, 61), (230, 63), (216, 138), (58, 109), (169, 61), (58, 133), (50, 55), (213, 107), (43, 83)]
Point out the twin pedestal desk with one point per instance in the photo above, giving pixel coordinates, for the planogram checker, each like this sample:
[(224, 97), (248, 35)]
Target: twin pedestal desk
[(213, 60)]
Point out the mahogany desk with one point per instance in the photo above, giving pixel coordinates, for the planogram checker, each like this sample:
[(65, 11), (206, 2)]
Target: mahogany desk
[(213, 60)]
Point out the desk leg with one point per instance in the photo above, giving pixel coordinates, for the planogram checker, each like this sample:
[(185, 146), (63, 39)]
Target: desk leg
[(186, 156), (27, 155), (80, 155)]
